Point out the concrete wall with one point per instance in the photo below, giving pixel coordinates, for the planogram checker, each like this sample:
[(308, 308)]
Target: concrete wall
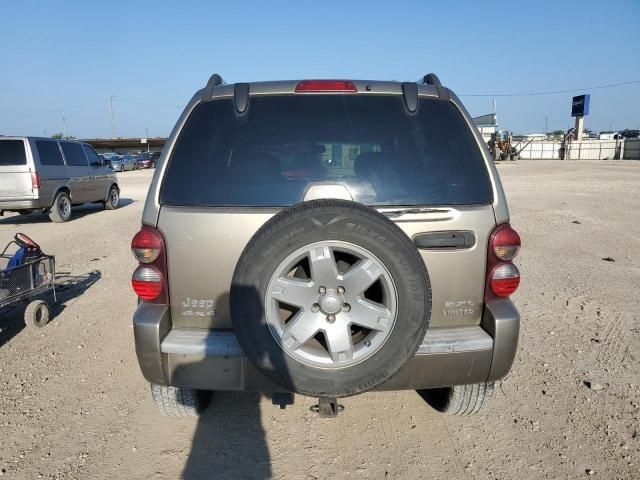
[(592, 149)]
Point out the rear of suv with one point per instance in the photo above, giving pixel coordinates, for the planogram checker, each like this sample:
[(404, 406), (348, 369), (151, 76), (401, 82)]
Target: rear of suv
[(325, 238)]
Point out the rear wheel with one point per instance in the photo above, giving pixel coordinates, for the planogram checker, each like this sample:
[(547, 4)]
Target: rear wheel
[(460, 399), (180, 402), (113, 199), (37, 314), (61, 208)]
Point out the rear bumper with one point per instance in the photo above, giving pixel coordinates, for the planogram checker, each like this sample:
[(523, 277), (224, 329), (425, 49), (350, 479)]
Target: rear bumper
[(21, 204), (213, 359)]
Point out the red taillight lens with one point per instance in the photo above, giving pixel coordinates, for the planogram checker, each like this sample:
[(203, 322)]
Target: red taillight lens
[(505, 242), (147, 282), (35, 180), (146, 245), (326, 86), (504, 279)]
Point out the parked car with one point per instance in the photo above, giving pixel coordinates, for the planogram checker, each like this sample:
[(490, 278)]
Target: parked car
[(121, 163), (51, 176), (388, 267), (145, 160)]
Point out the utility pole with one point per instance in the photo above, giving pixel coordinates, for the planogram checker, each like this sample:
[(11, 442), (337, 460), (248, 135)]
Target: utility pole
[(146, 133), (64, 125), (113, 119), (546, 125)]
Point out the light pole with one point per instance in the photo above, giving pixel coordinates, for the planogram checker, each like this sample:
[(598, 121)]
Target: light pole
[(113, 119)]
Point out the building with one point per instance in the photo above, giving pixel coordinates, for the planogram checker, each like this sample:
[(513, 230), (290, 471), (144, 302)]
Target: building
[(126, 145)]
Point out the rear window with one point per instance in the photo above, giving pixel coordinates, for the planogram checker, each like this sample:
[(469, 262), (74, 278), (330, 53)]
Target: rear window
[(49, 153), (74, 155), (369, 144), (12, 153)]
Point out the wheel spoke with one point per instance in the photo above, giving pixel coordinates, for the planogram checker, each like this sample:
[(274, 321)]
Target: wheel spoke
[(371, 315), (323, 266), (339, 343), (361, 276), (294, 292), (300, 329)]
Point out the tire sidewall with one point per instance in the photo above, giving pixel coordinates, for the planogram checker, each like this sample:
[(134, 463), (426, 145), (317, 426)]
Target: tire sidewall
[(56, 207), (355, 224)]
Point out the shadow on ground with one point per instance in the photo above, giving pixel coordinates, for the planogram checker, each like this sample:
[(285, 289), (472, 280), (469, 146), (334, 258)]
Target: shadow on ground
[(68, 287), (78, 212), (229, 442)]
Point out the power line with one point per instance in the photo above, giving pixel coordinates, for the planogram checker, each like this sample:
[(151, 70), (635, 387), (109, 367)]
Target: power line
[(49, 112), (132, 102), (554, 92)]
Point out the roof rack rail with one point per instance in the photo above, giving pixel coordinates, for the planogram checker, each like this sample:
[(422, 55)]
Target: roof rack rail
[(431, 79), (215, 80)]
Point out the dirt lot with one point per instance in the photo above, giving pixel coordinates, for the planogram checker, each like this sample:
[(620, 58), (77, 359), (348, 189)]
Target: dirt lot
[(74, 404)]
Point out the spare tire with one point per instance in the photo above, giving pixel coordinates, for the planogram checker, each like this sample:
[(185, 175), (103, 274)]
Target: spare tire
[(330, 298)]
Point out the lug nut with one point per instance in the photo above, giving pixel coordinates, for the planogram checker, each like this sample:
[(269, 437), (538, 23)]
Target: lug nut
[(340, 290), (345, 307), (331, 318), (315, 307), (322, 290), (367, 343)]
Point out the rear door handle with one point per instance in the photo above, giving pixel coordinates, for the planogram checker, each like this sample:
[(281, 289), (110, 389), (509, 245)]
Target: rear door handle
[(448, 240)]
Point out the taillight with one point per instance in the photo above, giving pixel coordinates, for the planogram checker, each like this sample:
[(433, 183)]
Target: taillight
[(35, 181), (149, 280), (326, 86), (503, 277), (505, 242), (146, 245)]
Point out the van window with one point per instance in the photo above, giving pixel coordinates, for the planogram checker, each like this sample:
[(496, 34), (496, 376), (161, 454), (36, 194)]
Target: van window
[(74, 155), (92, 156), (12, 153), (49, 153), (368, 143)]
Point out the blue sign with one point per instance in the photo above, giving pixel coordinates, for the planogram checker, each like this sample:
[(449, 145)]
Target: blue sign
[(580, 105)]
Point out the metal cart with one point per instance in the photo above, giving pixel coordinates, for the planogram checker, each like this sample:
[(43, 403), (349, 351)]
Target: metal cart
[(25, 274)]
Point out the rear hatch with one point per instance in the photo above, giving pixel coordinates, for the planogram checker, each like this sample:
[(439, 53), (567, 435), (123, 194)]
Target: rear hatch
[(229, 173), (15, 173)]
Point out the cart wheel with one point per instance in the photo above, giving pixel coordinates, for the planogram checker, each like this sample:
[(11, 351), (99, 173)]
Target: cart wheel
[(37, 314)]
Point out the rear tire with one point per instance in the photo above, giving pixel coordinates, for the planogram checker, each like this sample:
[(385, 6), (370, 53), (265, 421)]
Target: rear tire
[(37, 314), (180, 402), (61, 208), (460, 399), (113, 199)]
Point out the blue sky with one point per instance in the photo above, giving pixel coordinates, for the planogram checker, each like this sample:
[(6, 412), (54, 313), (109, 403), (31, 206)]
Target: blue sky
[(71, 56)]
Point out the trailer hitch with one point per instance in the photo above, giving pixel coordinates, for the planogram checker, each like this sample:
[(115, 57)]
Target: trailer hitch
[(327, 407)]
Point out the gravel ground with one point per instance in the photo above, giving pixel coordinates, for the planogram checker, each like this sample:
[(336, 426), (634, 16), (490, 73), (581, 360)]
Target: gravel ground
[(74, 404)]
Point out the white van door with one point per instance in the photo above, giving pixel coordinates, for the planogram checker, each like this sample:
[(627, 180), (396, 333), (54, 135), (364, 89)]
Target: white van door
[(79, 172)]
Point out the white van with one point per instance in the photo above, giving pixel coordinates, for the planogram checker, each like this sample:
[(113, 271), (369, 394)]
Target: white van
[(52, 175)]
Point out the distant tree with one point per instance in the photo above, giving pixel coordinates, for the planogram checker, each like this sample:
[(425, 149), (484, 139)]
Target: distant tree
[(60, 136)]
